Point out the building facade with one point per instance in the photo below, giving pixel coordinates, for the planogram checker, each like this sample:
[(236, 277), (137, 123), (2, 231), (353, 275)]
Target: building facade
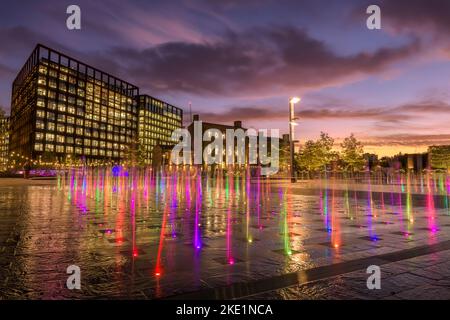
[(283, 143), (415, 162), (157, 121), (64, 109), (4, 142), (439, 157)]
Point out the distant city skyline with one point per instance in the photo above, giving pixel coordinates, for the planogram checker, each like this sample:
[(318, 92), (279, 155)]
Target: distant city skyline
[(237, 60)]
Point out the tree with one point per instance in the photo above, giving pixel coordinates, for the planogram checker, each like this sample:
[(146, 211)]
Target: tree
[(317, 154), (306, 160), (325, 154), (352, 153)]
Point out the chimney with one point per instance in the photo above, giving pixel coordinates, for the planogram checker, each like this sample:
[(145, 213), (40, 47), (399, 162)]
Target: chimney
[(196, 117), (238, 124)]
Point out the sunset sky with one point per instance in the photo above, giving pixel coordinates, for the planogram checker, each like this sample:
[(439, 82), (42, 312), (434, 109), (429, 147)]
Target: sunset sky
[(242, 60)]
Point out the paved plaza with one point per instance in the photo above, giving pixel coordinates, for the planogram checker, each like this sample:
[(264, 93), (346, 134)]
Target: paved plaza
[(140, 236)]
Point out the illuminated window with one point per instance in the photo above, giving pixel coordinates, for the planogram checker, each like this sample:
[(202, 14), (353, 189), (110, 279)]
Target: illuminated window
[(51, 94), (51, 116), (40, 124), (49, 137), (88, 106), (43, 69), (49, 147), (38, 147), (51, 126), (53, 73), (80, 92), (71, 109), (62, 97), (62, 86)]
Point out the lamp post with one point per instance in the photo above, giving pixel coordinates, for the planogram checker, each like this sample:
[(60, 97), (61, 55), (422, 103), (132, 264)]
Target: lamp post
[(292, 118)]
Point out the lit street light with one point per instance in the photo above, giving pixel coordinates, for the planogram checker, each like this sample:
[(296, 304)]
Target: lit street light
[(292, 123), (295, 100)]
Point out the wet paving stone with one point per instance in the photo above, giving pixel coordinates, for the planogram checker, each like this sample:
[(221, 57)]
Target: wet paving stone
[(126, 248), (226, 261), (371, 238), (403, 233), (286, 252)]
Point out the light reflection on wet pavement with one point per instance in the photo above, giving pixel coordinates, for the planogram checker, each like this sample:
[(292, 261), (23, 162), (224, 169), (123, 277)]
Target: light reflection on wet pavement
[(138, 235)]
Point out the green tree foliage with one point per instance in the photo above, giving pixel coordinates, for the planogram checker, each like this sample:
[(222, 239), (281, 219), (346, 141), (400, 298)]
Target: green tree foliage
[(352, 153), (317, 154), (284, 155), (306, 159)]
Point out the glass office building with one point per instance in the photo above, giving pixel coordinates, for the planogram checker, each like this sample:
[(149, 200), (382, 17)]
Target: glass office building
[(4, 142), (63, 108), (157, 121)]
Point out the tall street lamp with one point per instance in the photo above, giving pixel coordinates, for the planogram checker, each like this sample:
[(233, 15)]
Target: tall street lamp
[(292, 123)]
